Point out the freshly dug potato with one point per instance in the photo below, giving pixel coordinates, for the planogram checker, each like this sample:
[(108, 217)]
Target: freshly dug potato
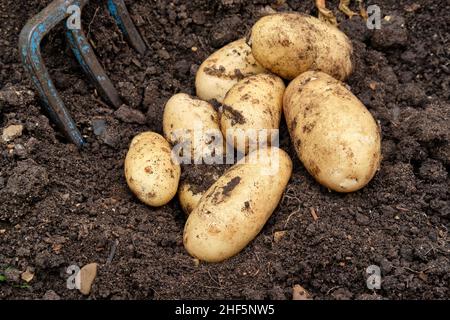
[(252, 110), (194, 123), (236, 207), (149, 170), (195, 181), (225, 67), (335, 136), (289, 44)]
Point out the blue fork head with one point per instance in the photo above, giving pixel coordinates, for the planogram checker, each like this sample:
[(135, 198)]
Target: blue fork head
[(30, 50), (29, 46)]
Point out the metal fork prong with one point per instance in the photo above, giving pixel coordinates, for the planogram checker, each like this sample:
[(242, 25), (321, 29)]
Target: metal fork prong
[(29, 46), (91, 66), (120, 13)]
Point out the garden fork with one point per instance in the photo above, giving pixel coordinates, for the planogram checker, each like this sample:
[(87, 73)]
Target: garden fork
[(29, 46)]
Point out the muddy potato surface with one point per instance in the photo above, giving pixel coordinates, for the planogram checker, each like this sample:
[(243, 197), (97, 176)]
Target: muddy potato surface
[(335, 136)]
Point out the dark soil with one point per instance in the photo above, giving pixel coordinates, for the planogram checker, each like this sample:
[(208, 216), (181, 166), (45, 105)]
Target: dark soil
[(61, 207)]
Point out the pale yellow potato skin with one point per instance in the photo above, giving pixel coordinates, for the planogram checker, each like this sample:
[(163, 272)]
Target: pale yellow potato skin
[(183, 113), (236, 207), (335, 136), (188, 199), (149, 170), (254, 103), (289, 44), (224, 68)]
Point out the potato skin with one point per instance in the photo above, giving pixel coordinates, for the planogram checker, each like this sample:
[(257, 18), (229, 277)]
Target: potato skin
[(237, 206), (185, 114), (224, 68), (289, 44), (188, 198), (335, 136), (254, 103), (149, 170), (195, 180)]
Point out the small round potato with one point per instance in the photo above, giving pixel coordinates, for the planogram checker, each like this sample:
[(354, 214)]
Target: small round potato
[(225, 67), (289, 44), (335, 136), (237, 206), (251, 111), (193, 124), (149, 170)]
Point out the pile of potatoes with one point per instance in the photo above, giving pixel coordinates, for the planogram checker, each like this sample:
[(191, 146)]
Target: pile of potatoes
[(336, 138)]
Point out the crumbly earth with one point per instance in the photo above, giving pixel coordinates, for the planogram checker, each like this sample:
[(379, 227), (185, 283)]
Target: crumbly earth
[(61, 207)]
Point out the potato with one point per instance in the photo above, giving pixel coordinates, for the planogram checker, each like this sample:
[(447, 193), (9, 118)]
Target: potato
[(289, 44), (335, 136), (195, 181), (251, 111), (150, 171), (237, 206), (188, 198), (193, 124), (224, 68)]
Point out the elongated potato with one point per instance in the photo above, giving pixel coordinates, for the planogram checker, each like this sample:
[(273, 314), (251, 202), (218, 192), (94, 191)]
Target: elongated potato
[(194, 125), (335, 136), (289, 44), (224, 68), (252, 110), (236, 207), (149, 170)]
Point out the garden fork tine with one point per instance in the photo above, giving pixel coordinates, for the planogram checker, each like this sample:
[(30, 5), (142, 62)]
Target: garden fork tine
[(29, 46), (119, 11), (87, 58), (91, 66)]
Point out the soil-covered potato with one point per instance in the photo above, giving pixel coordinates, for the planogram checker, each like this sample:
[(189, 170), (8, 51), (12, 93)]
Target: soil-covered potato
[(188, 198), (150, 171), (289, 44), (236, 207), (193, 124), (335, 136), (195, 181), (252, 110), (224, 68)]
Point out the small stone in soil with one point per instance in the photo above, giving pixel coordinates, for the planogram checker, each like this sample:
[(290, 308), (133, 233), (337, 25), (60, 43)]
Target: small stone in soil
[(98, 126), (299, 293), (12, 132), (279, 235), (87, 276), (28, 275), (110, 137)]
